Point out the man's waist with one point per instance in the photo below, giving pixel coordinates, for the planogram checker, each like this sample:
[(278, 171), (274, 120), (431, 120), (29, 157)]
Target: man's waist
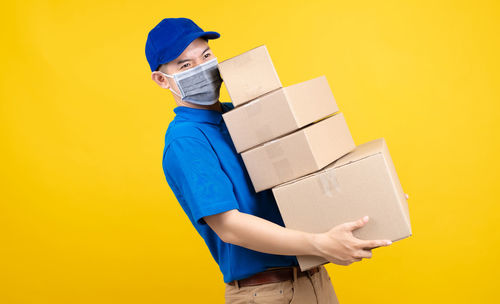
[(274, 275)]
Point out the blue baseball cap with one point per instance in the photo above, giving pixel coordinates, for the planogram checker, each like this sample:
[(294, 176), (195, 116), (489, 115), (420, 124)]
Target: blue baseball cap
[(169, 38)]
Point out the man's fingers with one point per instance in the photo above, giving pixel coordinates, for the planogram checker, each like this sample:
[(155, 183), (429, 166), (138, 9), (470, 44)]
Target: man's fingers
[(356, 224), (363, 254), (340, 262), (374, 243)]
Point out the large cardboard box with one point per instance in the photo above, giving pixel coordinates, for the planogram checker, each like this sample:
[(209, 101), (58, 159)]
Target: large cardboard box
[(280, 112), (297, 154), (249, 75), (364, 182)]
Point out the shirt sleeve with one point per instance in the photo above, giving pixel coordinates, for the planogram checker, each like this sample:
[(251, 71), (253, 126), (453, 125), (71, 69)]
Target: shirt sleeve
[(193, 168)]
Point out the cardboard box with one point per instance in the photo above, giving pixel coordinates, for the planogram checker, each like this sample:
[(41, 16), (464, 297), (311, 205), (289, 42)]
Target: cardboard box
[(280, 112), (364, 182), (249, 75), (297, 154)]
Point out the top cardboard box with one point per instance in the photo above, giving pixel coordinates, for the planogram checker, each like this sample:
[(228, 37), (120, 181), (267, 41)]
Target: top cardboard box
[(280, 112), (363, 182), (249, 75)]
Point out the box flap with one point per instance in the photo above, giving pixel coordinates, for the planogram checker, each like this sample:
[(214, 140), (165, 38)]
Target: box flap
[(362, 151)]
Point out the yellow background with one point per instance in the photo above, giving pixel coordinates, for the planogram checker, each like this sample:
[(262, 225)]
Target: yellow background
[(86, 215)]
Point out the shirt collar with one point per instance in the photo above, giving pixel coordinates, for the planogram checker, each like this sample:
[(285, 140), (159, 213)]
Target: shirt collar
[(198, 115)]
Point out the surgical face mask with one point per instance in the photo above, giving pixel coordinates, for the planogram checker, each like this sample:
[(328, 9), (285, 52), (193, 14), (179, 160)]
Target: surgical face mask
[(199, 85)]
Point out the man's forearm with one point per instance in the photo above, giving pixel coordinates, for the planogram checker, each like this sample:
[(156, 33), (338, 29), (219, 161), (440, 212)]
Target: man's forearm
[(261, 235)]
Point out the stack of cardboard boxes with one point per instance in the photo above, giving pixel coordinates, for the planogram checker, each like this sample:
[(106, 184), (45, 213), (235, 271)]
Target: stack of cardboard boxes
[(294, 140)]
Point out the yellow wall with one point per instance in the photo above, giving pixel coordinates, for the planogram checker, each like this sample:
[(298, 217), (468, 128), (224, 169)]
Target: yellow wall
[(86, 215)]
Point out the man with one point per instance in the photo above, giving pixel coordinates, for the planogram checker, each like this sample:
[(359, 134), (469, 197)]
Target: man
[(242, 229)]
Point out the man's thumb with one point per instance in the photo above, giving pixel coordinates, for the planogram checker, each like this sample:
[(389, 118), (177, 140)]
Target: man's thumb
[(357, 224)]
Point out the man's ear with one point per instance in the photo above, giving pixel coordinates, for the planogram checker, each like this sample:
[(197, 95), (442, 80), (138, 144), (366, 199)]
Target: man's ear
[(160, 79)]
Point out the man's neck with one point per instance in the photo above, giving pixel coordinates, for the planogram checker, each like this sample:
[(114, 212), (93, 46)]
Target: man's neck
[(215, 107)]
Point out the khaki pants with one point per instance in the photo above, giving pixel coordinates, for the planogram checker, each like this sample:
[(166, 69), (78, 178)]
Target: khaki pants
[(304, 290)]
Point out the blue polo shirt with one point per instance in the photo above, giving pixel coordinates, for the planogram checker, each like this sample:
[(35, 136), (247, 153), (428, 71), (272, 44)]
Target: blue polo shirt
[(208, 176)]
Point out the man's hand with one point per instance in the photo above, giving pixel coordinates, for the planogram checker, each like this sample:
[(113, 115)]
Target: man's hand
[(339, 246)]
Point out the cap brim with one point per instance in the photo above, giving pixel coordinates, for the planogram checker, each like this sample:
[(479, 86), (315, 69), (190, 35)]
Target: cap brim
[(210, 35)]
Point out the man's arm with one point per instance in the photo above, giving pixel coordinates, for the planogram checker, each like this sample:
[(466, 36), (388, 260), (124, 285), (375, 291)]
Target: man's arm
[(338, 245), (189, 163)]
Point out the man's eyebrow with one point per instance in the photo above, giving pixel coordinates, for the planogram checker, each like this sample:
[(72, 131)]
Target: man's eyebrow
[(182, 61), (208, 48)]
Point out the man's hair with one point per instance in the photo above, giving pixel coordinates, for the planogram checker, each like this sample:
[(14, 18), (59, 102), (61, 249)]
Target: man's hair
[(159, 67)]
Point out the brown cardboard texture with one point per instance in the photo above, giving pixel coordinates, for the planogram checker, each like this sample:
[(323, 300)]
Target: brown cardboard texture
[(249, 75), (280, 112), (364, 182), (297, 154)]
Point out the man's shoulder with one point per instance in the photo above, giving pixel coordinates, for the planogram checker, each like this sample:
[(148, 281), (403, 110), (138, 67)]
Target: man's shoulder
[(178, 130)]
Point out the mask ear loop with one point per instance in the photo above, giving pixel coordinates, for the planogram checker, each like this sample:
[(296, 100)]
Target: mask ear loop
[(170, 76), (175, 93)]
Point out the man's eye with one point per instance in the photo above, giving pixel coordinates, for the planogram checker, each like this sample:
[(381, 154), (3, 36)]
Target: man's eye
[(207, 55), (185, 65)]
